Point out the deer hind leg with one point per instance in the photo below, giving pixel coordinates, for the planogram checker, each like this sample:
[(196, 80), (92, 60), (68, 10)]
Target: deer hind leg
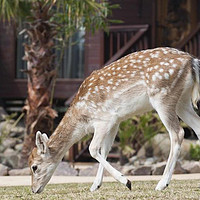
[(105, 148), (186, 112), (169, 118), (100, 135)]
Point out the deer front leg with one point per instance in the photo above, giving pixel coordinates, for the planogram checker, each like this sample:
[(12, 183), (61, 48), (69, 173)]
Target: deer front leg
[(100, 135), (106, 146), (169, 118)]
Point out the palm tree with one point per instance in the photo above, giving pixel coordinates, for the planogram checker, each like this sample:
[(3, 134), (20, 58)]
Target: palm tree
[(69, 17), (40, 72)]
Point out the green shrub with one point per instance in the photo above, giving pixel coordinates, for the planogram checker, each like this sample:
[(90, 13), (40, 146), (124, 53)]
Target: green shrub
[(134, 132), (6, 128), (194, 152)]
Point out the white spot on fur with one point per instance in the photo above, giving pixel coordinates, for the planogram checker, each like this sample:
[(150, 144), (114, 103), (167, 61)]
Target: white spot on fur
[(154, 77), (171, 71), (133, 74), (166, 75), (154, 55), (80, 104), (101, 87), (163, 91), (182, 60), (156, 67), (108, 88), (102, 78), (125, 66), (110, 81), (96, 88)]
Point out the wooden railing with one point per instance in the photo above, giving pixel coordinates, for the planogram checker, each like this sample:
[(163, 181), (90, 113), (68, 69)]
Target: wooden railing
[(77, 150), (191, 43), (122, 40)]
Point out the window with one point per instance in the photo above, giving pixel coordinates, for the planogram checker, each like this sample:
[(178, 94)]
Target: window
[(72, 64)]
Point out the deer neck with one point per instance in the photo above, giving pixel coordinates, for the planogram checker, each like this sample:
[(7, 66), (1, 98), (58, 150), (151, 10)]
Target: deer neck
[(70, 130)]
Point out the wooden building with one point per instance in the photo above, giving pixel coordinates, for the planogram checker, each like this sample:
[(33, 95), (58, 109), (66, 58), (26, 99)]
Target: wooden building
[(146, 24)]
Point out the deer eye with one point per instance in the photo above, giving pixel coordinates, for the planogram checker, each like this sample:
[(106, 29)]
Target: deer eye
[(34, 168)]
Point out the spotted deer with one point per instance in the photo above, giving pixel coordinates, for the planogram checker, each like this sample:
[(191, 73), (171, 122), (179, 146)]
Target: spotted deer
[(164, 79)]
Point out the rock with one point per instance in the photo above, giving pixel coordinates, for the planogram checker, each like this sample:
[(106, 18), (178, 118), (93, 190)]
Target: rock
[(158, 168), (3, 113), (20, 172), (191, 166), (132, 160), (9, 152), (10, 158), (179, 169), (141, 153), (17, 132), (185, 148), (9, 142), (19, 147), (127, 169), (161, 146), (2, 148), (3, 170), (142, 170), (64, 169), (2, 127), (92, 171), (137, 163), (150, 161)]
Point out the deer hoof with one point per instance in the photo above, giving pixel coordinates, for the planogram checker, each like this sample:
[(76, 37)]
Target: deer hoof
[(128, 185)]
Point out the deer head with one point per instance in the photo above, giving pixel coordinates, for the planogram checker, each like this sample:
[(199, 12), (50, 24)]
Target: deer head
[(41, 163)]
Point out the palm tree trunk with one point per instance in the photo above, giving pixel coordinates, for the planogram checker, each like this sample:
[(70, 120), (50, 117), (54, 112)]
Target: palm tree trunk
[(39, 57)]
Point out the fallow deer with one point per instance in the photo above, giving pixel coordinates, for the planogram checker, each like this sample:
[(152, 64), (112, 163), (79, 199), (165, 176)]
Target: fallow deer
[(164, 79)]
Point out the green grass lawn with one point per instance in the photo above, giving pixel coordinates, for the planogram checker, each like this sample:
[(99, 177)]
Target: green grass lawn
[(110, 191)]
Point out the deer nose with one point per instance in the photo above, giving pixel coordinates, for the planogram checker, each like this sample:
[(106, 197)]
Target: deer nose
[(36, 190), (33, 190)]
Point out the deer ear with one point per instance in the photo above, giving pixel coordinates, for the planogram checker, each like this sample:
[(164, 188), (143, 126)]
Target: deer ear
[(41, 142)]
